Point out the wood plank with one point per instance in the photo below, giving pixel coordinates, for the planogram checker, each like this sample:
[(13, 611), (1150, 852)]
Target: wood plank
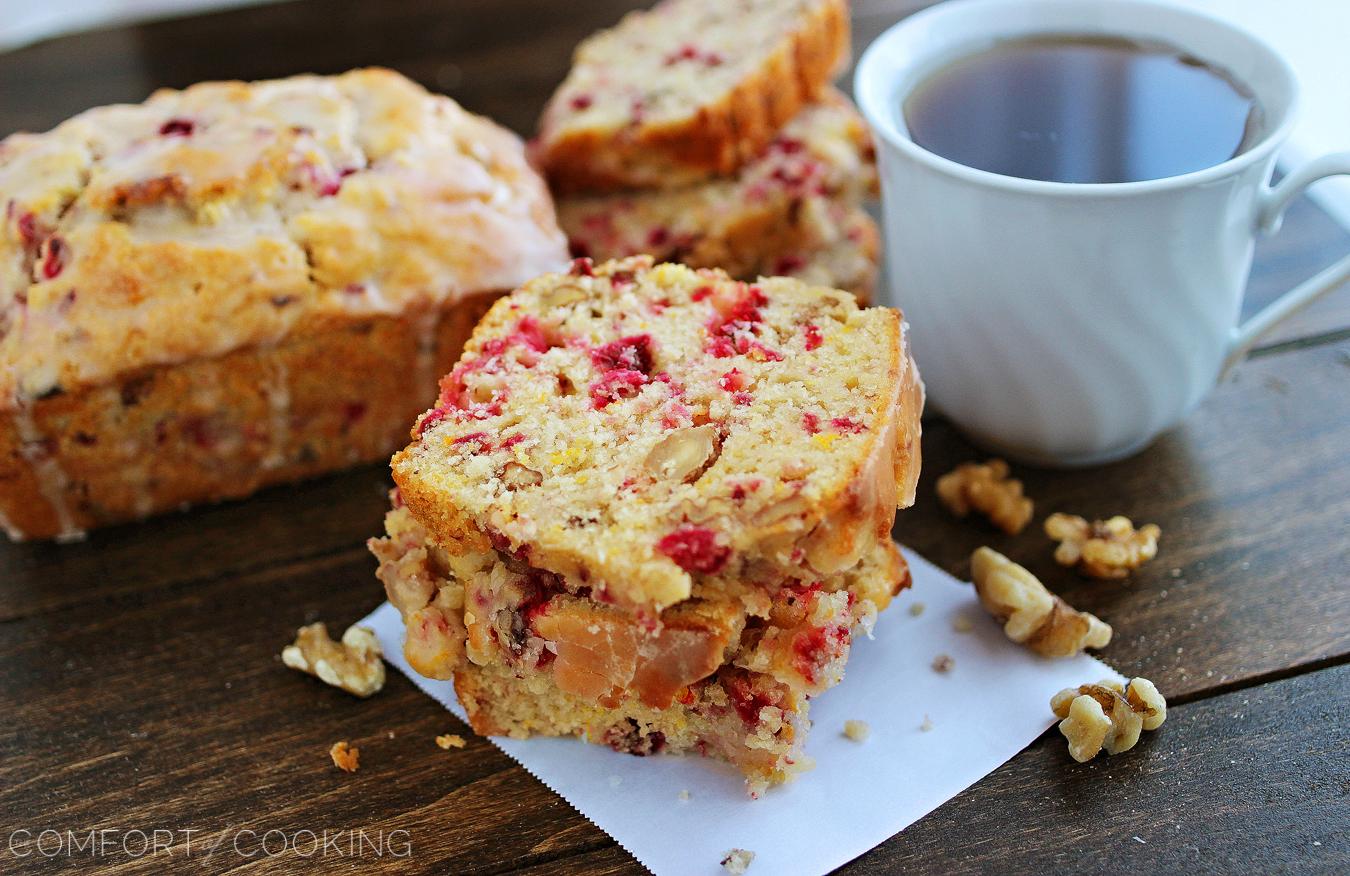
[(173, 712), (1256, 781), (170, 709), (284, 525), (1252, 494)]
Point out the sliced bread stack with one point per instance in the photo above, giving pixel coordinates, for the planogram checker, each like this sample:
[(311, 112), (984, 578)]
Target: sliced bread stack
[(653, 506), (706, 132)]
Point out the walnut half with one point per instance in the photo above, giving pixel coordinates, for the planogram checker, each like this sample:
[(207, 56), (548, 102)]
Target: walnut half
[(987, 489), (1103, 548), (1107, 715), (355, 665), (1030, 614)]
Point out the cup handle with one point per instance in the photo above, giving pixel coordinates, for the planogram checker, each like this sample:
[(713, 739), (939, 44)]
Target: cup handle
[(1270, 212)]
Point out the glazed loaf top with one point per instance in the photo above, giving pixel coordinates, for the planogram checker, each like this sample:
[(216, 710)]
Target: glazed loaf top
[(234, 214)]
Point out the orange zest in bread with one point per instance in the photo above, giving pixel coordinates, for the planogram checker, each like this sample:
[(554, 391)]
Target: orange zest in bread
[(637, 428), (689, 89), (777, 213)]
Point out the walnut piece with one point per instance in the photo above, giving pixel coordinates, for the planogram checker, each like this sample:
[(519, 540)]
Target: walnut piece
[(987, 489), (683, 454), (450, 740), (1107, 715), (737, 861), (1102, 548), (1030, 614), (355, 665), (345, 757)]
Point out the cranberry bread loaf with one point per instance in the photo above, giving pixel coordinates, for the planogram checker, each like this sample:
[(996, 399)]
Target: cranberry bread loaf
[(639, 428), (728, 676), (776, 207), (240, 284), (687, 90)]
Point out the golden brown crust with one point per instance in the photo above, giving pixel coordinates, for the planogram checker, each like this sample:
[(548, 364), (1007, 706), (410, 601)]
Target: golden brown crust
[(221, 428), (233, 215), (716, 138)]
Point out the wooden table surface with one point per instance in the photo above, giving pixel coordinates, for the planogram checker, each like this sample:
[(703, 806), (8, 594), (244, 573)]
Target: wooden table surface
[(141, 685)]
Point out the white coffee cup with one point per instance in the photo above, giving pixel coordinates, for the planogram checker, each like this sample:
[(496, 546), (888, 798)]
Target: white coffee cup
[(1066, 323)]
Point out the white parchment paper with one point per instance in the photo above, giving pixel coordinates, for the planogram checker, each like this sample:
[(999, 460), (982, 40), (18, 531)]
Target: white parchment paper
[(991, 703)]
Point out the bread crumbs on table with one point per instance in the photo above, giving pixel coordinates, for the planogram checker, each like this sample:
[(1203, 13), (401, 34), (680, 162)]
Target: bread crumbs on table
[(345, 757)]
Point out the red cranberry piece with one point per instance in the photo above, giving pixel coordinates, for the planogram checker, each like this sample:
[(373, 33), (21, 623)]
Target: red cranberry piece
[(431, 418), (813, 337), (633, 353), (732, 381), (701, 293), (581, 102), (615, 385), (512, 441), (658, 237), (531, 334), (177, 128), (788, 263), (695, 549), (741, 398), (55, 260), (582, 267), (479, 438), (847, 424), (28, 230), (744, 698), (352, 412), (810, 422), (620, 279)]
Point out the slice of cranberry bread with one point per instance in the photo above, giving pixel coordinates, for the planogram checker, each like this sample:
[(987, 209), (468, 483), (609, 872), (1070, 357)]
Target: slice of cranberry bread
[(746, 223), (639, 429), (687, 90)]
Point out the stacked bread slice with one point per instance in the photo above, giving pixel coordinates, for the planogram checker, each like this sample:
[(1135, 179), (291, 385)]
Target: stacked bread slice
[(653, 506), (707, 133)]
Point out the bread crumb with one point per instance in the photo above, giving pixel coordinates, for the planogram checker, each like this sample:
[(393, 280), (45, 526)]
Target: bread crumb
[(943, 663), (927, 724), (737, 861), (916, 609), (962, 624), (345, 757), (450, 740), (858, 731), (683, 797)]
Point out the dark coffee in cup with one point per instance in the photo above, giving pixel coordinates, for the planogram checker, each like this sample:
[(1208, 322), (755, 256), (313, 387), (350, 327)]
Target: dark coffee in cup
[(1082, 109)]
